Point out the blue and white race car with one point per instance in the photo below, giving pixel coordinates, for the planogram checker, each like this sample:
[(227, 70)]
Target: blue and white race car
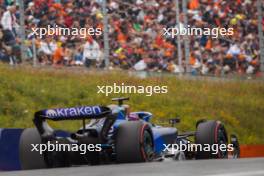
[(113, 135)]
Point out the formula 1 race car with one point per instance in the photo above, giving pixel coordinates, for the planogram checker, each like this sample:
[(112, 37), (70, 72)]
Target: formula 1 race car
[(115, 135)]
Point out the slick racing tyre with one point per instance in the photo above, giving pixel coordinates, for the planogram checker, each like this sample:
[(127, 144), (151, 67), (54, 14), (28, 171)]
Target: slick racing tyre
[(134, 142), (211, 132), (30, 159)]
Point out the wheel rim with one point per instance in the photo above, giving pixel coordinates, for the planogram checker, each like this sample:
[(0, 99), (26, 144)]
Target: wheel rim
[(147, 145), (221, 139)]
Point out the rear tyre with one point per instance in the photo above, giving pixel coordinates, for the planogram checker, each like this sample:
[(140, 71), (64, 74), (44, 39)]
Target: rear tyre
[(55, 159), (30, 159), (134, 142), (213, 133), (92, 156)]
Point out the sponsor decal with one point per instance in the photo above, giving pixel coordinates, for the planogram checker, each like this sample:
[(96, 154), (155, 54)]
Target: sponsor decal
[(73, 112), (51, 113)]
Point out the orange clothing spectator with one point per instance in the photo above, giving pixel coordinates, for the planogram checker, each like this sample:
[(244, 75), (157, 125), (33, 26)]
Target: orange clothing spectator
[(159, 40), (192, 60), (58, 55), (208, 45), (121, 38), (194, 4)]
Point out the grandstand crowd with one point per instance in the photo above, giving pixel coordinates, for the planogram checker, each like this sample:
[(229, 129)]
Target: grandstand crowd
[(135, 35)]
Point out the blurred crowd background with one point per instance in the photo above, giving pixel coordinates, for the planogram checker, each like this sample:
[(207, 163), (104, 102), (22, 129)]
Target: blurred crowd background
[(135, 35)]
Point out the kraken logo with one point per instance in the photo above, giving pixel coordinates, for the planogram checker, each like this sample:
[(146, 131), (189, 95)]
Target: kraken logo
[(51, 113)]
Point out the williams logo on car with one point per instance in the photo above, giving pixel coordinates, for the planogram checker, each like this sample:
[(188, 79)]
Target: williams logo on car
[(51, 113)]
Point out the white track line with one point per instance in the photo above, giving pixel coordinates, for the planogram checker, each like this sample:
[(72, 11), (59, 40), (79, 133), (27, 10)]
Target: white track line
[(252, 173)]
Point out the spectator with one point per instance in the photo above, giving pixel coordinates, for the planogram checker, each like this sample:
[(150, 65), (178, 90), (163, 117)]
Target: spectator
[(46, 49), (4, 50), (78, 56), (91, 52), (8, 22), (58, 56), (135, 28)]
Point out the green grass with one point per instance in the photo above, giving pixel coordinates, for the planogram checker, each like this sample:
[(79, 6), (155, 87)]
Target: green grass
[(239, 104)]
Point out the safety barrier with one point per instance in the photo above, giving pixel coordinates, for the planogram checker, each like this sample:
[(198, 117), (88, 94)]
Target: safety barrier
[(250, 151), (9, 149)]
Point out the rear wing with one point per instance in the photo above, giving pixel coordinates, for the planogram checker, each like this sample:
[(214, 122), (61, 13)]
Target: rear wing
[(75, 113)]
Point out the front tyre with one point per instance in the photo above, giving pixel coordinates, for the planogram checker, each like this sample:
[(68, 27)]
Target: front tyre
[(211, 133)]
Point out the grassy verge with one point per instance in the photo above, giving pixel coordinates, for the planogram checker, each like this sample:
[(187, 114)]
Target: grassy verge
[(239, 104)]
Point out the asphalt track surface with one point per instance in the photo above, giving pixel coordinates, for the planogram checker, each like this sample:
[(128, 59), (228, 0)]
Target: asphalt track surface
[(239, 167)]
